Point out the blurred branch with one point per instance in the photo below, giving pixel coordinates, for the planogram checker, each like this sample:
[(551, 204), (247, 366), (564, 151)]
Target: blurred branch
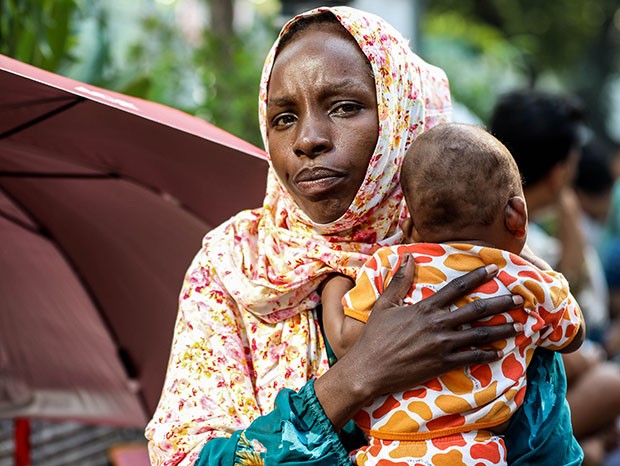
[(222, 16)]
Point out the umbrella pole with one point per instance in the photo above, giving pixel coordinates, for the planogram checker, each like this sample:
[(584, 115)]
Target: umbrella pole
[(21, 429)]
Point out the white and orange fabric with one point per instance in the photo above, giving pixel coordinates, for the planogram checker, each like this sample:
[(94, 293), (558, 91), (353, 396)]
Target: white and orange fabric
[(445, 420)]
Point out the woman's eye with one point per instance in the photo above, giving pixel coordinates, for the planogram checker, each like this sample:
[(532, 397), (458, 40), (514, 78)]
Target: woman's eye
[(346, 108), (283, 120)]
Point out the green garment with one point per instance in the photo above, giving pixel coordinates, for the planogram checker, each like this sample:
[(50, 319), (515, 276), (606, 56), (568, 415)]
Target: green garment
[(541, 432), (297, 432)]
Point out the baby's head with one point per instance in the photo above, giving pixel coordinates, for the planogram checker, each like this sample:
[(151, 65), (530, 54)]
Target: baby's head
[(461, 183)]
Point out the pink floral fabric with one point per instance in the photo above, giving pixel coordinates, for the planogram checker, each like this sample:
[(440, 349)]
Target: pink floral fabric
[(246, 326)]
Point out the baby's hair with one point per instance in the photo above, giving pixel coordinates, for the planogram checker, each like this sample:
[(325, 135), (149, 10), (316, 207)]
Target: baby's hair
[(457, 175)]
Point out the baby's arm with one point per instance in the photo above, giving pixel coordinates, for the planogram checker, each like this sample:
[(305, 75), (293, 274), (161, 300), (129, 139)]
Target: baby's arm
[(341, 331)]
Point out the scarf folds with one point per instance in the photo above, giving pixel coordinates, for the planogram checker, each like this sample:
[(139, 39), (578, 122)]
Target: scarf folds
[(272, 259)]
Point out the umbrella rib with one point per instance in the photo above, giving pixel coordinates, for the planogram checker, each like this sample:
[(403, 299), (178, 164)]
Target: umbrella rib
[(37, 101), (22, 224), (40, 118)]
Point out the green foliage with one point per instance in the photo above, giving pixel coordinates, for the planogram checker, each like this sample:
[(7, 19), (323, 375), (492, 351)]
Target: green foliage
[(485, 46), (230, 69), (552, 34), (488, 46), (479, 62), (158, 64), (37, 32)]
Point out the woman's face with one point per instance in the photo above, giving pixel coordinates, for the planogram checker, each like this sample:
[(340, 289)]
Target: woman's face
[(322, 124)]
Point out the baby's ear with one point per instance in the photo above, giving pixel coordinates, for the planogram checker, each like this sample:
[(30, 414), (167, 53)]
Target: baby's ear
[(515, 217)]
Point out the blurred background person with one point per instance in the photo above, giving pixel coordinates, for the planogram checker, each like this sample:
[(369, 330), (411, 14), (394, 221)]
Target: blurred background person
[(594, 186)]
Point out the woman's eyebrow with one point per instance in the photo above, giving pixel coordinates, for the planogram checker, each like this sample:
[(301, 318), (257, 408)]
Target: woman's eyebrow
[(279, 102), (334, 88), (346, 84)]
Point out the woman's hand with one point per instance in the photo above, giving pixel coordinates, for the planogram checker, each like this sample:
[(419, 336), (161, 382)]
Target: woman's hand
[(404, 346)]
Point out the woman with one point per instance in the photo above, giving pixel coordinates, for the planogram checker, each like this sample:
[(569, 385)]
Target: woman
[(249, 379)]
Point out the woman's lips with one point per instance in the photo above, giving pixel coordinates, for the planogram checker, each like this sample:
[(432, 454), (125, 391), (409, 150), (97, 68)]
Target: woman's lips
[(317, 180)]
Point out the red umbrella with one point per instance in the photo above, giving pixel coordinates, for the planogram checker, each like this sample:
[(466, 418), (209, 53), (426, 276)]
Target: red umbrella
[(104, 199)]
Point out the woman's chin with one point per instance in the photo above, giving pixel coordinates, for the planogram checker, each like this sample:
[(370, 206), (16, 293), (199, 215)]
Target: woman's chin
[(324, 212)]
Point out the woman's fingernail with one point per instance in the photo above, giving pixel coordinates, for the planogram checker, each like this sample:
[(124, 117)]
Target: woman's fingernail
[(491, 269), (500, 354), (517, 299), (518, 326)]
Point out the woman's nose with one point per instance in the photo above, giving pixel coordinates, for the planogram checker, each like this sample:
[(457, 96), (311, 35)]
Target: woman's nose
[(312, 138)]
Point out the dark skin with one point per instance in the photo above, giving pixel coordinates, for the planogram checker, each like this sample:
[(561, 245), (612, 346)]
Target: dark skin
[(317, 125)]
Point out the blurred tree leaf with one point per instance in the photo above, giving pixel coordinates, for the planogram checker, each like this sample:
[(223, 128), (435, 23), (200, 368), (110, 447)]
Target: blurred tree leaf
[(571, 46), (37, 32), (231, 76), (479, 61), (231, 64)]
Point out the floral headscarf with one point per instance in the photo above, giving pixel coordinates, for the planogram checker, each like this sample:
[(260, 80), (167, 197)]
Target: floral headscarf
[(271, 260)]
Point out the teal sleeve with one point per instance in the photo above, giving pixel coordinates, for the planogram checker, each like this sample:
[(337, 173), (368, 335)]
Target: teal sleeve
[(540, 432), (296, 432)]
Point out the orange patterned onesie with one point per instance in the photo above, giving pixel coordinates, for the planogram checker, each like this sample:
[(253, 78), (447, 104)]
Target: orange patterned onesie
[(448, 420)]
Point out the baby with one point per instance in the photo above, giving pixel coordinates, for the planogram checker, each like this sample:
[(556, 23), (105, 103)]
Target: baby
[(463, 191)]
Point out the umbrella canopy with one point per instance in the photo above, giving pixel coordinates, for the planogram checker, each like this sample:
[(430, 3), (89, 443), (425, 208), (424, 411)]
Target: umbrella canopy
[(104, 199)]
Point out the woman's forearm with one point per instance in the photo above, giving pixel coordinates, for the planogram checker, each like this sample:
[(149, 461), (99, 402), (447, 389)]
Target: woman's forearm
[(342, 391)]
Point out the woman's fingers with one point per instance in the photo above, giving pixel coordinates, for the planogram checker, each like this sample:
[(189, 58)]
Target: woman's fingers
[(426, 339), (461, 286), (485, 335), (398, 287), (471, 356), (481, 308)]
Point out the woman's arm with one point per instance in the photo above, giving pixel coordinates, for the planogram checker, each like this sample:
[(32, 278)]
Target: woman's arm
[(295, 432)]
